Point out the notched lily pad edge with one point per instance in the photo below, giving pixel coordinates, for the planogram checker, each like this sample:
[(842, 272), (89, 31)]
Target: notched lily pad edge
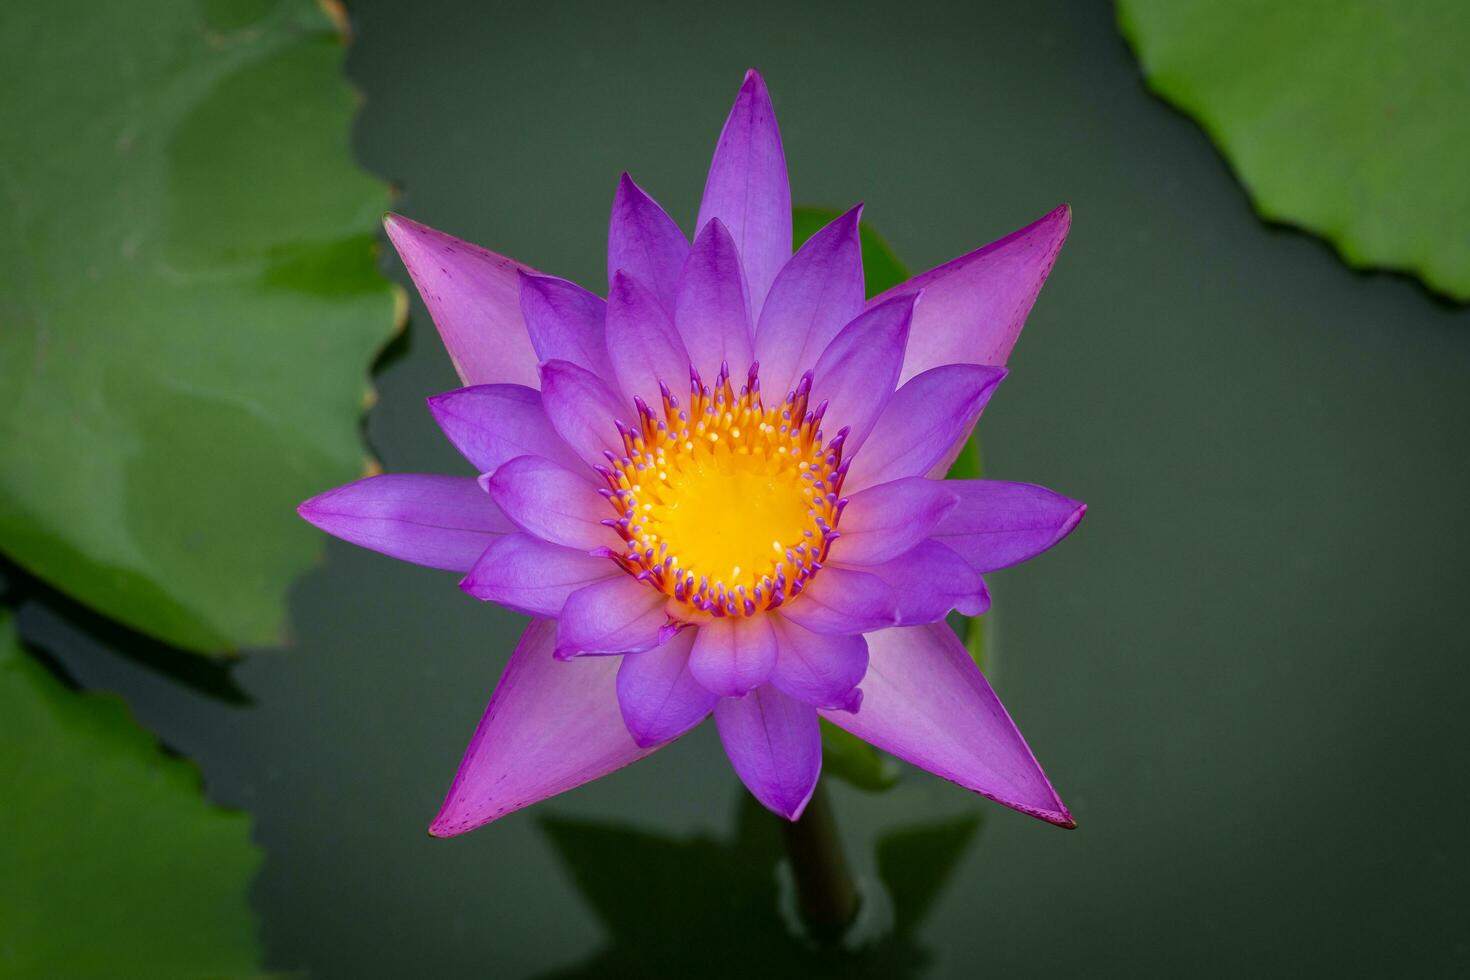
[(1341, 239)]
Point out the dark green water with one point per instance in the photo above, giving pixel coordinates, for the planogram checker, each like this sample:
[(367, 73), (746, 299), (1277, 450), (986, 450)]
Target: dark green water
[(1246, 672)]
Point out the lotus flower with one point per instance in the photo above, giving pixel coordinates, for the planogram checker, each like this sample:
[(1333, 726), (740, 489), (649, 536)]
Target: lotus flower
[(720, 492)]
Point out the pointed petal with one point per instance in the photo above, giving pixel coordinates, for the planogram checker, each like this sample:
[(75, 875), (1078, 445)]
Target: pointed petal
[(550, 726), (775, 746), (823, 671), (974, 306), (931, 580), (747, 188), (642, 343), (839, 600), (474, 297), (998, 524), (555, 505), (816, 294), (883, 522), (617, 615), (493, 424), (925, 701), (531, 576), (644, 242), (583, 410), (712, 313), (439, 521), (565, 322), (733, 656), (931, 414), (857, 372), (659, 697)]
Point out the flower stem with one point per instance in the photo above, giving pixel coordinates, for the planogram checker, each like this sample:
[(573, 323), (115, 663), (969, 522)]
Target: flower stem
[(825, 892)]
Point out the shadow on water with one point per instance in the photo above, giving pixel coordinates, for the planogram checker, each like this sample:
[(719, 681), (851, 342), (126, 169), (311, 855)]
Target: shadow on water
[(48, 619), (702, 906)]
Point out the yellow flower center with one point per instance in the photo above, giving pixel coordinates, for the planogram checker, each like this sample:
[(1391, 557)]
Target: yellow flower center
[(727, 506)]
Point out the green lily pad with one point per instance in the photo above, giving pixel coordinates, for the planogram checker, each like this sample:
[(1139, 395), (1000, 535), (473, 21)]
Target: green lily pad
[(1345, 117), (113, 864), (188, 304)]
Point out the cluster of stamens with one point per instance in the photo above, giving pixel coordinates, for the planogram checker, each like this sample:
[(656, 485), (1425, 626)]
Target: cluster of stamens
[(725, 505)]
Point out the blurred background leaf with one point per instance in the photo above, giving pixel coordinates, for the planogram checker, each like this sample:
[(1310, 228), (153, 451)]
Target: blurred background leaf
[(188, 304), (1345, 117), (114, 865)]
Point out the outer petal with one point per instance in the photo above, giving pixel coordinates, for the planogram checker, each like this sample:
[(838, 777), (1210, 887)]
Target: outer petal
[(644, 242), (642, 343), (998, 524), (550, 726), (552, 503), (617, 615), (838, 601), (583, 410), (659, 697), (927, 417), (493, 424), (531, 576), (930, 581), (439, 521), (880, 523), (775, 746), (747, 188), (474, 297), (974, 306), (823, 671), (565, 322), (732, 656), (816, 294), (713, 308), (857, 372), (925, 701)]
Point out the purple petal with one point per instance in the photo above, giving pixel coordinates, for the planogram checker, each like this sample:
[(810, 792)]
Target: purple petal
[(747, 187), (823, 671), (857, 372), (565, 322), (553, 504), (660, 698), (733, 656), (534, 577), (882, 522), (925, 701), (931, 580), (583, 410), (929, 416), (775, 746), (974, 306), (617, 615), (642, 342), (474, 297), (816, 294), (439, 521), (837, 601), (713, 309), (644, 242), (998, 524), (550, 726), (493, 424)]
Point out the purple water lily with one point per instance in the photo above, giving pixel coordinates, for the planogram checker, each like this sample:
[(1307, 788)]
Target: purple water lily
[(720, 491)]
